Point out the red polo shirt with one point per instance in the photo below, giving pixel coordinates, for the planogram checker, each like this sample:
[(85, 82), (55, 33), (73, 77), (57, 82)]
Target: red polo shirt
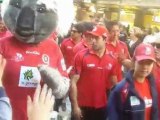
[(120, 48), (80, 46), (21, 74), (94, 77), (67, 50)]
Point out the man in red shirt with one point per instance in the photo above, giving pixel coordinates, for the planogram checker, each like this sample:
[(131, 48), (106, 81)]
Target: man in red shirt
[(94, 72), (117, 48), (68, 44), (86, 42)]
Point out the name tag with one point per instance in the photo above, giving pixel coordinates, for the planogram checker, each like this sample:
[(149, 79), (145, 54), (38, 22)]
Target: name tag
[(134, 101)]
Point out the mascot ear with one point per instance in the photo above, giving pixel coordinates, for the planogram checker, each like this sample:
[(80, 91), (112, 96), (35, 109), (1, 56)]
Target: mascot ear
[(65, 16)]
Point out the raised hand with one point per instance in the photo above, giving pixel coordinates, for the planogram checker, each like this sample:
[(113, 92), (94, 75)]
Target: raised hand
[(39, 108), (2, 65)]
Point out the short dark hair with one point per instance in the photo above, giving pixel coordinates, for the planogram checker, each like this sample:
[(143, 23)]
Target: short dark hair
[(79, 27), (110, 24), (88, 26)]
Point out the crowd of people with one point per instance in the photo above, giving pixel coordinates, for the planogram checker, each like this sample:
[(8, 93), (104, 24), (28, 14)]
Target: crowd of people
[(114, 75)]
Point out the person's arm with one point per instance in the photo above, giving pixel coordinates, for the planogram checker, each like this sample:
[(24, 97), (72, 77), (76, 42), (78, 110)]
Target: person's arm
[(113, 80), (5, 107), (112, 106), (73, 90), (40, 107), (127, 63), (73, 97), (76, 71), (125, 58)]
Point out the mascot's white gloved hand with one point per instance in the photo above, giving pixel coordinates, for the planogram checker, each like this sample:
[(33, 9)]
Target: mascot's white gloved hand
[(52, 77)]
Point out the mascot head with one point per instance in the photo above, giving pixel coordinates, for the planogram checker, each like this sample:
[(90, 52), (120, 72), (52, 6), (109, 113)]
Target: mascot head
[(32, 21)]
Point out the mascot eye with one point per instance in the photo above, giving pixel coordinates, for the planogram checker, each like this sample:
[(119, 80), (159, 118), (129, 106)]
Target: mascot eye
[(15, 3), (41, 8)]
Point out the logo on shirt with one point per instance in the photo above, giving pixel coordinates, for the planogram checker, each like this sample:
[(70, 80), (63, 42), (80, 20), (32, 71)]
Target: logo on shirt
[(45, 59), (18, 57), (32, 52), (69, 47), (148, 102), (29, 76), (109, 66), (90, 65)]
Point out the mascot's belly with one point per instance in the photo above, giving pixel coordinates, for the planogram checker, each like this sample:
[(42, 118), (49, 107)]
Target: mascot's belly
[(21, 75)]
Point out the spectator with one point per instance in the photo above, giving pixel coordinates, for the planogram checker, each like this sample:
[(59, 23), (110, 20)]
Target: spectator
[(123, 36), (135, 98), (86, 42), (117, 48), (5, 107), (68, 44), (150, 37), (136, 37), (94, 74)]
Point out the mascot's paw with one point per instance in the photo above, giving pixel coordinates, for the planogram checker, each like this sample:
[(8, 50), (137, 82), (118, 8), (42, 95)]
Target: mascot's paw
[(59, 84)]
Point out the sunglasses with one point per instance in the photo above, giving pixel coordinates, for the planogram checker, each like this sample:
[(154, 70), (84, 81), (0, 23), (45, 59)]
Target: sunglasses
[(74, 31)]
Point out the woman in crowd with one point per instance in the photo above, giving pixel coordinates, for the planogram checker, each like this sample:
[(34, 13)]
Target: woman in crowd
[(135, 97)]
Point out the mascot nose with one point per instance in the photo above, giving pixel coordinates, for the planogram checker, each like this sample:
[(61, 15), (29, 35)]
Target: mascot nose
[(26, 19)]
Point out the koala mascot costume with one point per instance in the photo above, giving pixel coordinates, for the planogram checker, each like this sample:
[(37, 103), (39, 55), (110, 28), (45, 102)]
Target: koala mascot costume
[(32, 57)]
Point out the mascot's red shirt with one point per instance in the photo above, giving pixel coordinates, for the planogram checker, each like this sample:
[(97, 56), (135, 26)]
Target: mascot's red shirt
[(21, 75)]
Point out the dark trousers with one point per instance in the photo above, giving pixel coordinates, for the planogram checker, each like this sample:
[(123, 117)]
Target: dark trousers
[(93, 113)]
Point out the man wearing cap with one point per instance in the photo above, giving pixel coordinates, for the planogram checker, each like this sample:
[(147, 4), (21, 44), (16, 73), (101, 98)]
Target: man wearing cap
[(117, 48), (86, 42), (94, 73), (135, 98)]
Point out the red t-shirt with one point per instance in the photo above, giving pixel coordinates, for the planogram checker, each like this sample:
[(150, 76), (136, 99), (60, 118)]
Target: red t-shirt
[(94, 77), (21, 75), (67, 50), (143, 90), (120, 48)]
